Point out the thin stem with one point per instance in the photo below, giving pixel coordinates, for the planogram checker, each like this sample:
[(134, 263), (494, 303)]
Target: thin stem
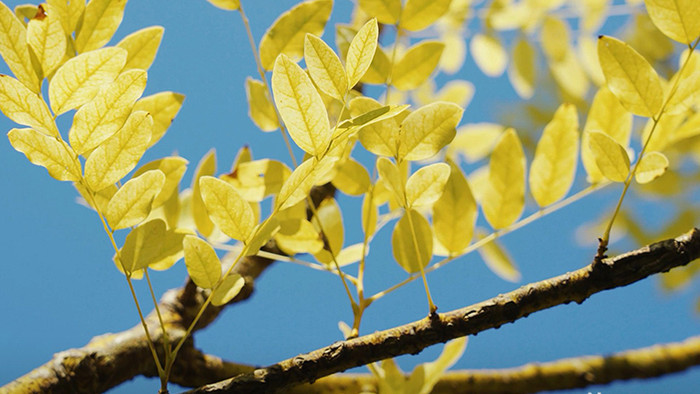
[(416, 249), (166, 339)]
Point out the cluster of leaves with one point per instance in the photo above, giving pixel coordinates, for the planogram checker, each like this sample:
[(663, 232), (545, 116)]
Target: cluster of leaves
[(416, 176)]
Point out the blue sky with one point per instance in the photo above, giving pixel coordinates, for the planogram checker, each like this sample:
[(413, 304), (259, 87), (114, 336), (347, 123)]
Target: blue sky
[(60, 287)]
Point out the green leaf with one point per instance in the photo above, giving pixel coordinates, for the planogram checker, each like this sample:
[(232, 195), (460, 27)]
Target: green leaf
[(630, 77), (226, 208), (412, 245), (325, 67), (610, 157), (25, 107), (202, 263), (131, 204), (286, 35), (228, 289), (426, 185), (504, 197), (58, 158), (361, 52), (300, 106), (427, 130), (119, 154)]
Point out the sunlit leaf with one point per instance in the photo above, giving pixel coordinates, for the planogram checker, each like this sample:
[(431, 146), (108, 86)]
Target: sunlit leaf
[(370, 214), (455, 52), (286, 35), (100, 21), (142, 46), (163, 107), (554, 165), (425, 376), (229, 5), (391, 176), (227, 209), (132, 202), (351, 178), (205, 167), (652, 166), (79, 79), (498, 261), (412, 241), (361, 52), (298, 236), (300, 106), (260, 108), (475, 141), (419, 14), (555, 38), (610, 157), (504, 197), (25, 107), (203, 265), (302, 179), (678, 19), (257, 179), (380, 138), (14, 50), (331, 225), (488, 54), (386, 11), (454, 214), (522, 71), (325, 67), (263, 232), (99, 200), (173, 168), (47, 39), (379, 68), (229, 288), (119, 154), (143, 246), (428, 129), (416, 65), (426, 185), (630, 77), (104, 115), (60, 161)]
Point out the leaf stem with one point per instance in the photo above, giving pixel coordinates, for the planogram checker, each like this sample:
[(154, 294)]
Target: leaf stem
[(431, 306)]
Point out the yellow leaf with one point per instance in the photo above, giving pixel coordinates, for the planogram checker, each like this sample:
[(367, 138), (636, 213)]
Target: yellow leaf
[(504, 197), (163, 107), (427, 375), (454, 214), (427, 130), (456, 91), (298, 236), (174, 168), (379, 138), (325, 67), (98, 200), (416, 65), (206, 167), (42, 150), (488, 54), (142, 46), (609, 116), (203, 265), (610, 157), (678, 19), (630, 77), (229, 5), (475, 141), (286, 35), (131, 204), (379, 68), (26, 11), (76, 10), (119, 154), (361, 52), (100, 21), (227, 209), (263, 232), (498, 261), (302, 179), (412, 242), (652, 166), (419, 14), (588, 53), (331, 222), (455, 52), (48, 40), (370, 214), (257, 179), (554, 165), (143, 246), (260, 108), (386, 11), (522, 72), (555, 38), (79, 79), (682, 90), (104, 115), (14, 49), (301, 107), (426, 185), (570, 75), (25, 107), (228, 289), (352, 178), (391, 176)]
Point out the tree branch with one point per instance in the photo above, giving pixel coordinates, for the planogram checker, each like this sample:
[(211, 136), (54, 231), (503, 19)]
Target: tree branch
[(411, 338)]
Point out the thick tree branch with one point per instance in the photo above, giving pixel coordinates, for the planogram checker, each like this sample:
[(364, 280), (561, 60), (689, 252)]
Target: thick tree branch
[(568, 373), (411, 338)]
